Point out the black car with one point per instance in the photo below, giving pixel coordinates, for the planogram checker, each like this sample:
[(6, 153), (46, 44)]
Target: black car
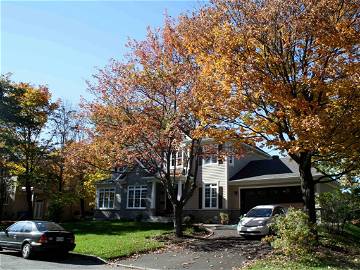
[(37, 236)]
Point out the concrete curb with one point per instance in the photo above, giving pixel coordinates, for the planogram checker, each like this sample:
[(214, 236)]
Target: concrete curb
[(134, 267), (210, 231), (90, 257)]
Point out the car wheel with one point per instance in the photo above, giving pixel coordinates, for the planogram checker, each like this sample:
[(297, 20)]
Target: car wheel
[(26, 251)]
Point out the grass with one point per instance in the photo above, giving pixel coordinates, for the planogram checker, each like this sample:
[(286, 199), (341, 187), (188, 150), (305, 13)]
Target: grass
[(112, 239), (336, 252)]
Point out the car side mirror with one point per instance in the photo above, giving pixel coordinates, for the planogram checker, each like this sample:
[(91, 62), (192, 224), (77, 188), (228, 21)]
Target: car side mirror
[(6, 231)]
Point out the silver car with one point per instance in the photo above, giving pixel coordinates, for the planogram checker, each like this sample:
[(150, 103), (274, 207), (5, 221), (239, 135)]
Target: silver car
[(257, 220)]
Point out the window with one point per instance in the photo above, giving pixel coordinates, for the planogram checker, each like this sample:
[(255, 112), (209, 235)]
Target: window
[(106, 198), (48, 226), (177, 158), (137, 196), (213, 159), (17, 227), (28, 227), (210, 195), (259, 212), (231, 160), (278, 211), (120, 169)]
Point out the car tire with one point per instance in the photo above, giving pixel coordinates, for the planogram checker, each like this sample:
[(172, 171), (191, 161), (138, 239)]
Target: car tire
[(26, 251)]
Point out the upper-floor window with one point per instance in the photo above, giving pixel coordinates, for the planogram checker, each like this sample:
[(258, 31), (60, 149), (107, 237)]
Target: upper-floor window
[(211, 159), (177, 158), (106, 198), (231, 160), (137, 197), (120, 169)]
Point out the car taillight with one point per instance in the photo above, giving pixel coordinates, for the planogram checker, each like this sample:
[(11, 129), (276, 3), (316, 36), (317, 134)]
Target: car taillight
[(43, 239)]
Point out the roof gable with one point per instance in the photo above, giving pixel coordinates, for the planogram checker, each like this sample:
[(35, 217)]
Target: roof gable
[(269, 168)]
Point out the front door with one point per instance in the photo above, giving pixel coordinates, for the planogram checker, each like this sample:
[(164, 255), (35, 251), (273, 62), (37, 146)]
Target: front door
[(163, 204)]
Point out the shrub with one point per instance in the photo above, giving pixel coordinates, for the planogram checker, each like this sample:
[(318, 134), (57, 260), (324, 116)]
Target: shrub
[(189, 219), (337, 208), (224, 218), (58, 202), (294, 233)]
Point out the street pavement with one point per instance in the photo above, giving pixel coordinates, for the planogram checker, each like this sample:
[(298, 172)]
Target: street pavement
[(12, 260)]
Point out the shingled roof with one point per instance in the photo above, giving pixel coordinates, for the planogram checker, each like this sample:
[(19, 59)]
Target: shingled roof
[(269, 168)]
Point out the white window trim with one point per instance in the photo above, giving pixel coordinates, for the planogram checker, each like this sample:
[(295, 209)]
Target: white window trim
[(217, 196), (98, 197), (211, 160), (176, 158), (127, 197)]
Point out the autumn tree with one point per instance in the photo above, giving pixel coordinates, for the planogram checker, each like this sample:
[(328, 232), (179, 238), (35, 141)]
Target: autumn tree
[(64, 130), (24, 113), (143, 111), (82, 168), (283, 74), (6, 182)]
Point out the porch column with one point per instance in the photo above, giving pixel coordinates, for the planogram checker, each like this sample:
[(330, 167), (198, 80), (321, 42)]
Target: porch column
[(153, 194)]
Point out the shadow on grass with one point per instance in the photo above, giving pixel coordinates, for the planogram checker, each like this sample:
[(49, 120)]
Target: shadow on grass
[(338, 250), (326, 259), (113, 227)]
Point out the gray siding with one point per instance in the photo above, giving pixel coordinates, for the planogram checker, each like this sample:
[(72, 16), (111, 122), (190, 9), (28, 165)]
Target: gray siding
[(120, 211)]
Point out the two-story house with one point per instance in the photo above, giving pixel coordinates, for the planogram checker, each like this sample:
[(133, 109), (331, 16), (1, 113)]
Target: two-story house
[(230, 184)]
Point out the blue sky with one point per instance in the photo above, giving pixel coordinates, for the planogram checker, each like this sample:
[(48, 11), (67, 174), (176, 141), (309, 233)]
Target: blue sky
[(60, 43)]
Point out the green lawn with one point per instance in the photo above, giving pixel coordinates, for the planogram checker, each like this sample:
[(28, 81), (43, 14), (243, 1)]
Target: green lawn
[(111, 239), (338, 252)]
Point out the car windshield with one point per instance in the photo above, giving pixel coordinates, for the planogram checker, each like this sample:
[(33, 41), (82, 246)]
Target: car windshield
[(48, 226), (259, 212)]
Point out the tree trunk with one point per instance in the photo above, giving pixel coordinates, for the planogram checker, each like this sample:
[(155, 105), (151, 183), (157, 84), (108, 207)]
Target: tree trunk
[(61, 176), (178, 211), (307, 186), (29, 199), (82, 208)]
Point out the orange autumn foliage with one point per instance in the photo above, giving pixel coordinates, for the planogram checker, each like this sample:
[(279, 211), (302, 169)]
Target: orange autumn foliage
[(282, 73)]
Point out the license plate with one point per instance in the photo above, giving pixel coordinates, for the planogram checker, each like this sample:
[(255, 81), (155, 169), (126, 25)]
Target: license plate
[(59, 239)]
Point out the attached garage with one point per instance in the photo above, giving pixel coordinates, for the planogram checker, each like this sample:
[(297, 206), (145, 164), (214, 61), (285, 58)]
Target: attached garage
[(251, 197)]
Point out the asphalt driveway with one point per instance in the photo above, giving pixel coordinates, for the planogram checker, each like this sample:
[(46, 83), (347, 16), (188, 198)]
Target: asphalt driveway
[(224, 250), (11, 260)]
